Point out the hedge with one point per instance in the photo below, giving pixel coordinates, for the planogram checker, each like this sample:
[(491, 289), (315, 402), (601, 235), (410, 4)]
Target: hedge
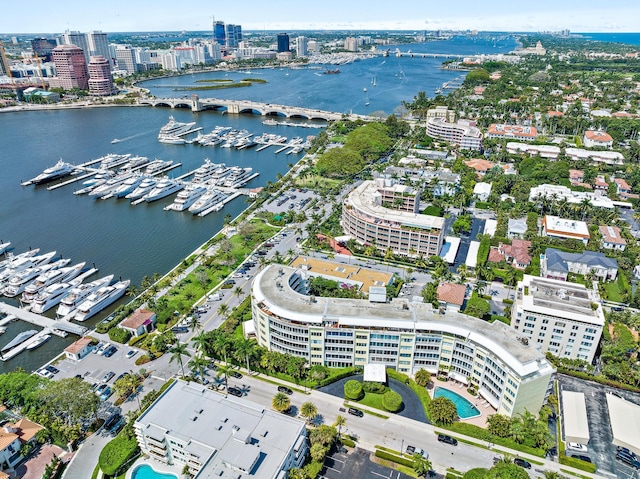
[(332, 379), (117, 452), (136, 339), (596, 379), (420, 391), (484, 434), (347, 441), (393, 458), (313, 469), (392, 401), (119, 335), (577, 463), (353, 390)]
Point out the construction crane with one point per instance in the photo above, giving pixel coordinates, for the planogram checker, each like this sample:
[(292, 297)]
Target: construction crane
[(5, 63), (39, 66)]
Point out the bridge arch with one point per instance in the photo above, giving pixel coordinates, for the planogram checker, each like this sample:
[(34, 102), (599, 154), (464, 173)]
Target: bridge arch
[(162, 103), (182, 104), (250, 111), (299, 115), (275, 113)]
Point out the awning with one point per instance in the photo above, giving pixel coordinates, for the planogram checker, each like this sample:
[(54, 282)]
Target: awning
[(625, 422), (574, 411), (458, 377), (375, 373)]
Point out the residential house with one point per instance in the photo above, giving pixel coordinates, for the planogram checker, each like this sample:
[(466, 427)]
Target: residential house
[(623, 189), (556, 264), (482, 191), (481, 166), (556, 227), (600, 184), (576, 177), (517, 253), (512, 132), (597, 138), (517, 227), (448, 184), (13, 437), (612, 239), (139, 322), (451, 296), (78, 349)]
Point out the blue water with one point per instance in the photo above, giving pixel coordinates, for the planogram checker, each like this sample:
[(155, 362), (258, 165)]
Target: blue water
[(628, 38), (145, 471), (465, 408)]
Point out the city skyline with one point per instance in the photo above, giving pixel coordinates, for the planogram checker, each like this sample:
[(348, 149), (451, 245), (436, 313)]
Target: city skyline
[(162, 15)]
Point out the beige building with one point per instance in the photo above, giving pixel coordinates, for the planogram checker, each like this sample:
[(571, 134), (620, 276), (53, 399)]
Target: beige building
[(385, 215)]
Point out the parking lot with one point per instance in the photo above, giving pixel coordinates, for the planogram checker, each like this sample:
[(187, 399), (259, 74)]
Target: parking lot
[(357, 465), (291, 199), (600, 448)]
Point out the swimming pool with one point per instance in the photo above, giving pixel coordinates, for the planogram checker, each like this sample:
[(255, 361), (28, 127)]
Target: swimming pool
[(145, 471), (465, 409)]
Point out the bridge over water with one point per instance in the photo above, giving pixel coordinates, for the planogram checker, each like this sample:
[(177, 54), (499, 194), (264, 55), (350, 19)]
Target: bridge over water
[(196, 103)]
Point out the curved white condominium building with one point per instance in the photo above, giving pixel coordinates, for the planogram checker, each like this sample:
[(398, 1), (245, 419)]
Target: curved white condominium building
[(402, 335)]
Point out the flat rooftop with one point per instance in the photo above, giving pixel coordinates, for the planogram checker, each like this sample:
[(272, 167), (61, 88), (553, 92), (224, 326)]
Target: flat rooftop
[(272, 292), (368, 277), (364, 199), (222, 431)]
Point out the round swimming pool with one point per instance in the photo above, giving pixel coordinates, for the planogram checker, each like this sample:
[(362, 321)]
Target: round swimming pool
[(465, 409), (145, 471)]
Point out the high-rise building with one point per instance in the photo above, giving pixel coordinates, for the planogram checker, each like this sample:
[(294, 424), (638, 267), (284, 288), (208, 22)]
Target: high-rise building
[(98, 44), (234, 35), (283, 42), (219, 34), (100, 81), (78, 39), (351, 44), (126, 58), (313, 46), (301, 46), (4, 64), (43, 47), (71, 69)]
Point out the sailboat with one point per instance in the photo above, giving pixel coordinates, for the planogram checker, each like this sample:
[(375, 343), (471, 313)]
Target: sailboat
[(373, 81)]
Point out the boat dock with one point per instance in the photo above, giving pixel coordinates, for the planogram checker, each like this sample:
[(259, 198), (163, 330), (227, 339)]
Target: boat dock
[(224, 202)]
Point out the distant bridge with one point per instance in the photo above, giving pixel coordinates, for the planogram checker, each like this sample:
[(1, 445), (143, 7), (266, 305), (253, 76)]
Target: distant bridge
[(245, 106), (409, 53)]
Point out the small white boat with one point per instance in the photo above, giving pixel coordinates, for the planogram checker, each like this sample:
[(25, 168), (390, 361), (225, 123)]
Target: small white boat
[(38, 342), (163, 188), (4, 247)]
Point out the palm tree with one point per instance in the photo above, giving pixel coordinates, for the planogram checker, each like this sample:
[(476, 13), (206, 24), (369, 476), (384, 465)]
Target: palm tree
[(340, 421), (177, 351), (222, 345), (223, 310), (198, 363), (201, 342), (281, 402), (194, 323), (127, 385), (246, 348), (224, 369), (133, 290), (308, 410), (238, 292)]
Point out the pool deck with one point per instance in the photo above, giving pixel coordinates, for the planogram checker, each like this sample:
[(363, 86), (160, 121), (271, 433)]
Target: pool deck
[(156, 465), (477, 401)]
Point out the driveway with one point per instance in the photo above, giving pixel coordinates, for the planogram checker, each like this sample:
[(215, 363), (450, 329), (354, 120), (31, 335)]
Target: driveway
[(412, 407), (357, 465)]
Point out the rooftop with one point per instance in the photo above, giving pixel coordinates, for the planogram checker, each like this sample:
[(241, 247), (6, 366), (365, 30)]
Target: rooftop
[(274, 295), (367, 277), (78, 345), (451, 293), (512, 130), (557, 225), (600, 136), (611, 234), (140, 317)]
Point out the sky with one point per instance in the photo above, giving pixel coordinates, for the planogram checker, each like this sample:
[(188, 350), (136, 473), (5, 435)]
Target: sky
[(46, 16)]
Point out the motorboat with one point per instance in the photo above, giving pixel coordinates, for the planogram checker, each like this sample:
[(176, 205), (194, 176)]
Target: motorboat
[(175, 128), (4, 247), (163, 188), (11, 258), (206, 201), (110, 186), (23, 263), (100, 299), (238, 177), (59, 275), (52, 295), (18, 282), (143, 188), (19, 339), (172, 140), (206, 171), (59, 170), (76, 295), (187, 197), (270, 122), (39, 341), (128, 186), (135, 163), (218, 176), (157, 166), (112, 160)]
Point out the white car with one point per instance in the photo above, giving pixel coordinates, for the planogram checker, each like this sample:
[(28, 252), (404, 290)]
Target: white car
[(574, 446), (44, 373)]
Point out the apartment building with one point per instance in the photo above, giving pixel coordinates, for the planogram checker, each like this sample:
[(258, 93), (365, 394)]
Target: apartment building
[(402, 335), (512, 132), (385, 215), (464, 133), (565, 319)]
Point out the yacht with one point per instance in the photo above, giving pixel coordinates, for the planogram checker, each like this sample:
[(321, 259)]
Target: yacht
[(59, 170), (270, 122), (187, 197), (99, 179), (238, 177), (143, 188), (156, 166), (52, 295), (100, 299), (218, 176), (112, 160), (128, 186), (175, 128), (11, 258), (58, 275), (4, 247), (76, 295), (163, 188), (245, 142), (20, 264), (110, 186), (36, 343), (205, 172), (135, 162), (172, 140), (19, 339), (18, 282), (206, 201)]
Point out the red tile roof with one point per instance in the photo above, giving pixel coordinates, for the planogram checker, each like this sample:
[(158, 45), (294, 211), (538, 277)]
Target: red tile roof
[(451, 293), (518, 250), (611, 234), (495, 256), (77, 346), (600, 136), (138, 318)]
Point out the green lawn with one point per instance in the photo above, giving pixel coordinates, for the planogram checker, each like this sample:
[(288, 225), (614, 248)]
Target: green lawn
[(373, 400), (613, 292)]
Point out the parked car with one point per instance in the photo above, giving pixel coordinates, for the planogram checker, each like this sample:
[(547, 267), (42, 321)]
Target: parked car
[(235, 374), (576, 447), (98, 347), (268, 245), (51, 369), (131, 353), (582, 457), (234, 391), (100, 389), (112, 421), (416, 450), (106, 393), (522, 463), (107, 377), (180, 329), (110, 351), (284, 389), (103, 348), (447, 439), (355, 412), (628, 459), (44, 373)]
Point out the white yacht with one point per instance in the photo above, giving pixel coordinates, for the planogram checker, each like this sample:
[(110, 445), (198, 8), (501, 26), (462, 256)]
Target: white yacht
[(165, 187), (112, 160), (175, 128), (4, 247), (20, 264), (58, 275), (218, 176), (72, 299), (100, 299), (206, 171), (238, 177), (156, 166), (135, 162), (110, 186), (128, 186), (187, 197), (18, 282), (172, 140), (52, 295), (59, 170), (11, 258), (39, 341), (143, 188), (19, 339), (206, 201)]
